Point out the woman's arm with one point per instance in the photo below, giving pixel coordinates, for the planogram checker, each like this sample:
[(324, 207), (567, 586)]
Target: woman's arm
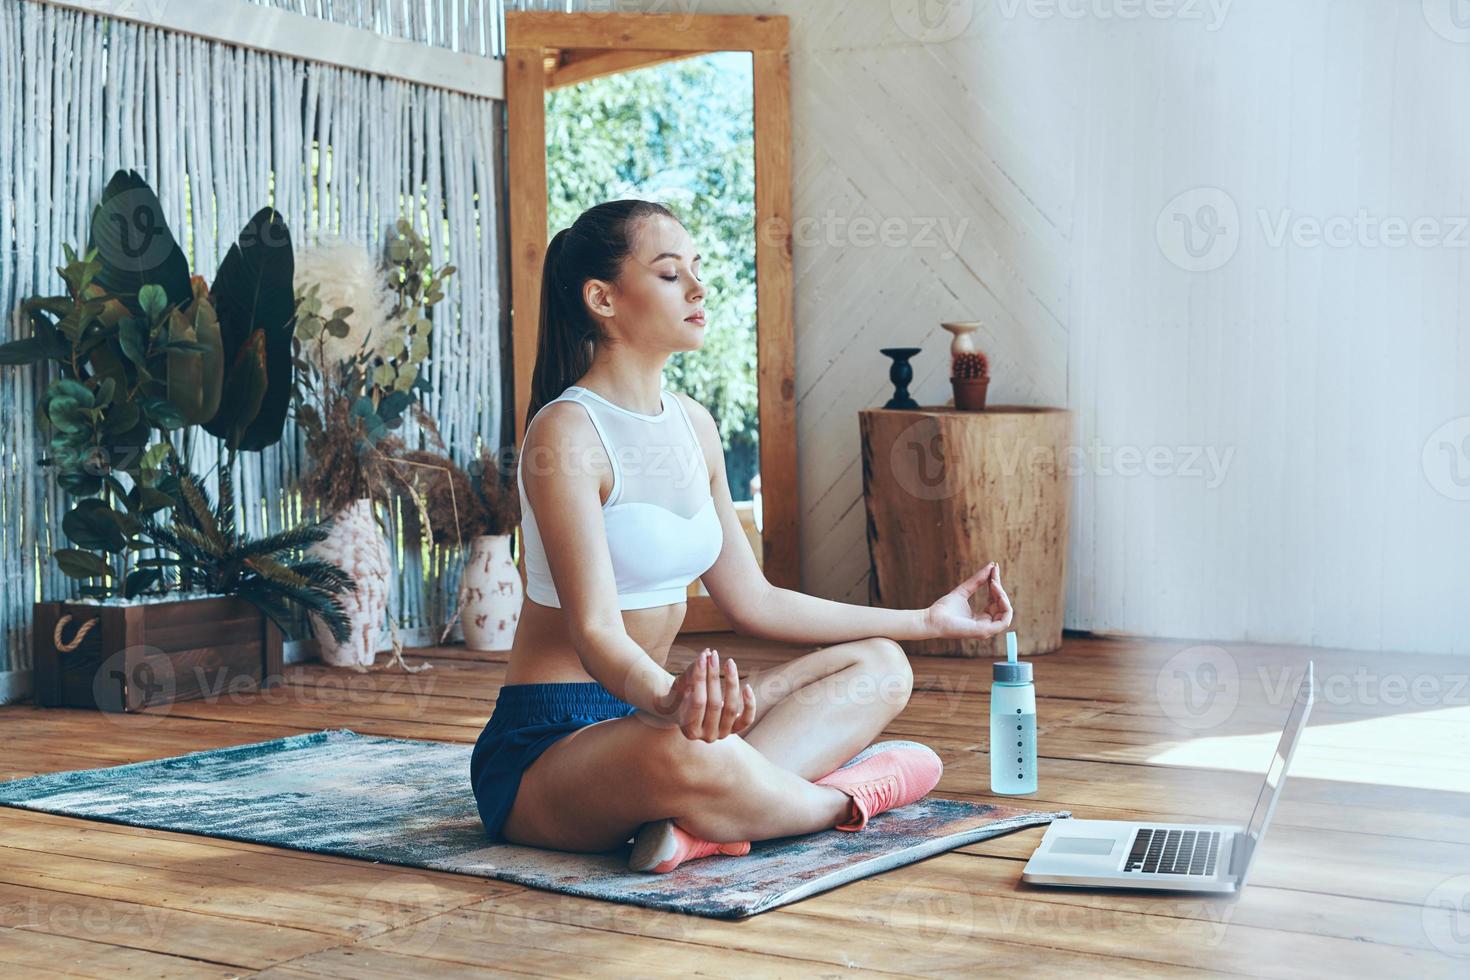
[(788, 616), (795, 617), (755, 607), (564, 493)]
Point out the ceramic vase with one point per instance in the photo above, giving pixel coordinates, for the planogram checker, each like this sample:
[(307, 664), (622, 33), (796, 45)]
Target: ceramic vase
[(357, 545), (490, 594)]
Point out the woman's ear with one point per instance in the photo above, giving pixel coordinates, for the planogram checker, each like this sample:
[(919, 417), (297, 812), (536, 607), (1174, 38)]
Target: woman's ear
[(598, 295)]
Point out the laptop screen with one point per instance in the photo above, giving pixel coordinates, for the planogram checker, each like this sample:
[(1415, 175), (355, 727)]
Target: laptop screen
[(1276, 771)]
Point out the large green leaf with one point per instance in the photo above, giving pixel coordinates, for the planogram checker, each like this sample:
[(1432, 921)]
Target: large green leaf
[(76, 563), (141, 581), (134, 243), (94, 525), (253, 296), (27, 351), (196, 378), (244, 390)]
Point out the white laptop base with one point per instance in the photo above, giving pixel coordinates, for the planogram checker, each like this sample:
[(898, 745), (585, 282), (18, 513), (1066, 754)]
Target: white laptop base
[(1168, 856), (1115, 854)]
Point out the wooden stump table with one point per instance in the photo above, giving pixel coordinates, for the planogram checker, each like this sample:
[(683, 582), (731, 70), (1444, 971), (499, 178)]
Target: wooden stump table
[(947, 492)]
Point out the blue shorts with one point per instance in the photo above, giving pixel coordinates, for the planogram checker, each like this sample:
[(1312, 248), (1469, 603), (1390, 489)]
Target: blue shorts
[(527, 719)]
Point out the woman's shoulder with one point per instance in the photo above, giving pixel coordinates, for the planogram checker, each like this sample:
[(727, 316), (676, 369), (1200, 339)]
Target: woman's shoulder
[(706, 429), (697, 413), (564, 421)]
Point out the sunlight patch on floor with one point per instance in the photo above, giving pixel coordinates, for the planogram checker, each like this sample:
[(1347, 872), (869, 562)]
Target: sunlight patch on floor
[(1416, 749)]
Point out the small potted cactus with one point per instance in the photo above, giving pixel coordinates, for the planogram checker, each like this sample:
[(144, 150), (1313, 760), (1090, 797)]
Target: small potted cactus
[(969, 373), (970, 377)]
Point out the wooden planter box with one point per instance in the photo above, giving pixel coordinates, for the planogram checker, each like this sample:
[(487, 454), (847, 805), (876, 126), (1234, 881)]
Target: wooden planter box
[(135, 656)]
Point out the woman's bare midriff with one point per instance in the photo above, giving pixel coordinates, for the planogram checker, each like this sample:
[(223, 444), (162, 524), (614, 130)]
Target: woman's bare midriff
[(542, 652)]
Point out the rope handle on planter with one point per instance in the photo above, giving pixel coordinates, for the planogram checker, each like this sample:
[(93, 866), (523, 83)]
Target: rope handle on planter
[(76, 640)]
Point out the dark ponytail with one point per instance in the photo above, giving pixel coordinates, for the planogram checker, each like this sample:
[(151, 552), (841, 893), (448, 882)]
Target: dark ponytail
[(593, 247)]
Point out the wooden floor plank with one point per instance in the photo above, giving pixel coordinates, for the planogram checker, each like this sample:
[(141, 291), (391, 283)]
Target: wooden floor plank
[(1341, 884)]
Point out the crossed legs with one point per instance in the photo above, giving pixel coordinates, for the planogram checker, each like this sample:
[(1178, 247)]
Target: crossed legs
[(592, 790)]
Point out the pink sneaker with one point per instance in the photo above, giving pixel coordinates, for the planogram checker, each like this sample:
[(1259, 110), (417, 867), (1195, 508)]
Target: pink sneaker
[(884, 776), (661, 846)]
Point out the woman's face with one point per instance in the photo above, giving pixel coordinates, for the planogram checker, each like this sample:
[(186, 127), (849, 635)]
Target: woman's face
[(657, 291)]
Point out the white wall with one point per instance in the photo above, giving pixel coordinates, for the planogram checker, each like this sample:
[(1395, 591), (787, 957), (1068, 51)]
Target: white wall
[(1054, 139)]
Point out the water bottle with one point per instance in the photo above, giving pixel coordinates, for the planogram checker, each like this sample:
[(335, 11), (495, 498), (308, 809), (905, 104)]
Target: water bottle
[(1012, 725)]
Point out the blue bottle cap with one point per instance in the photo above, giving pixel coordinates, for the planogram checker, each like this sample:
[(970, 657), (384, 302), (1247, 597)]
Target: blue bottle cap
[(1010, 670)]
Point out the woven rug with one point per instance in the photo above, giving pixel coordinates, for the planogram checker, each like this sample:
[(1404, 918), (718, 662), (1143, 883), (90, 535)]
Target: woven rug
[(408, 802)]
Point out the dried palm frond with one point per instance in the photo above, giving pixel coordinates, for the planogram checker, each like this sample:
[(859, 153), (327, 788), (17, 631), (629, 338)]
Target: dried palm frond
[(267, 571)]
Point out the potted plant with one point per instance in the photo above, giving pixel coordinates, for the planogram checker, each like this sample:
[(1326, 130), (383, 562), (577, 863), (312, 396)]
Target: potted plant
[(477, 509), (358, 378), (969, 367), (140, 351)]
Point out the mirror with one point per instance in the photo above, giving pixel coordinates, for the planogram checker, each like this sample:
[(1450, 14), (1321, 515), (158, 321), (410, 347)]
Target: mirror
[(563, 70)]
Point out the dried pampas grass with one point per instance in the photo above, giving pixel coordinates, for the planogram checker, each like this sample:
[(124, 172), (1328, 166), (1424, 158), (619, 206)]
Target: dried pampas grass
[(346, 275)]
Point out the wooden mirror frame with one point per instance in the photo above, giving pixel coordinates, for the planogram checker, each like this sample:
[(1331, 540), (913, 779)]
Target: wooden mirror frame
[(547, 49)]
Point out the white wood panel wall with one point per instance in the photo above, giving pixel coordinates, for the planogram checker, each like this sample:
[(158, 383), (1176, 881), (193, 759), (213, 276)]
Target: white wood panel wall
[(1292, 392)]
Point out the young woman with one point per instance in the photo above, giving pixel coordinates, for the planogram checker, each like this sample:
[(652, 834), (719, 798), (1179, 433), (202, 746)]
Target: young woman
[(624, 504)]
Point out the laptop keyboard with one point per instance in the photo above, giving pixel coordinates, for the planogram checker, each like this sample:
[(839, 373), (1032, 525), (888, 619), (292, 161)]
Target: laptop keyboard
[(1174, 852)]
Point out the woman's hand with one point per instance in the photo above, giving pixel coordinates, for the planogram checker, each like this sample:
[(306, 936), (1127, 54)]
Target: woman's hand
[(950, 618), (708, 702)]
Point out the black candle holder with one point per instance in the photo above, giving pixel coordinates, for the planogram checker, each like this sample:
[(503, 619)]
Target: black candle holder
[(900, 372)]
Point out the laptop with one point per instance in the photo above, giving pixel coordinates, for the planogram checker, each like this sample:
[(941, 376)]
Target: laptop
[(1171, 856)]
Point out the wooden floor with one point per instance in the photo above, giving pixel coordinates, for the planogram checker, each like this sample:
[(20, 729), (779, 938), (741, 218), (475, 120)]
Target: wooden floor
[(1358, 876)]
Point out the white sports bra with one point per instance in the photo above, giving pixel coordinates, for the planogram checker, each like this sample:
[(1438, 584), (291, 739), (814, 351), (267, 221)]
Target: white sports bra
[(662, 528)]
